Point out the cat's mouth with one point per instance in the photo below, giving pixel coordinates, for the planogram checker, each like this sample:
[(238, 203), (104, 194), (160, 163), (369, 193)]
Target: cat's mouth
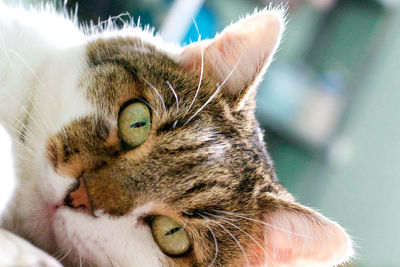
[(78, 198)]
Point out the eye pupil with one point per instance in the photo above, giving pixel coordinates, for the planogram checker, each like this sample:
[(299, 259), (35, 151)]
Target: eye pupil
[(138, 124), (173, 231)]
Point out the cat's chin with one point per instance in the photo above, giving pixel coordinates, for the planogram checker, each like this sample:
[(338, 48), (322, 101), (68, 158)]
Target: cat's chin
[(55, 238), (46, 196)]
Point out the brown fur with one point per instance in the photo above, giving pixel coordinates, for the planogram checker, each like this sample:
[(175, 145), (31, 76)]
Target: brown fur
[(216, 162)]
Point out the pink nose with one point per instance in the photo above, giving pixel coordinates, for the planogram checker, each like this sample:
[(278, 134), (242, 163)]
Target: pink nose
[(79, 197)]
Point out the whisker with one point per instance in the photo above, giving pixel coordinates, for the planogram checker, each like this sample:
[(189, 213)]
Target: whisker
[(234, 239), (264, 223), (215, 93), (26, 161), (29, 168), (57, 252), (33, 73), (26, 137), (157, 92), (26, 65), (27, 131), (111, 262), (215, 239), (40, 113), (22, 158), (201, 79), (22, 145), (29, 97), (197, 29), (175, 95), (65, 255), (26, 112), (80, 259), (228, 219), (240, 229), (151, 107), (66, 140), (53, 146)]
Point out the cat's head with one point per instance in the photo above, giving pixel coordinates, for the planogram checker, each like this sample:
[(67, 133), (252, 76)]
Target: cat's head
[(168, 166)]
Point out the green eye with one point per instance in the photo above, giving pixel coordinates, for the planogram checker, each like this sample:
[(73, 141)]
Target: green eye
[(169, 236), (134, 124)]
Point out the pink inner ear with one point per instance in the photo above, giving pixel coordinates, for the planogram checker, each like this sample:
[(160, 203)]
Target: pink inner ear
[(241, 52), (297, 239)]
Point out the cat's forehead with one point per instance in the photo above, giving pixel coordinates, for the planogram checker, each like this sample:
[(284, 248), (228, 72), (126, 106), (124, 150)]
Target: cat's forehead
[(122, 67)]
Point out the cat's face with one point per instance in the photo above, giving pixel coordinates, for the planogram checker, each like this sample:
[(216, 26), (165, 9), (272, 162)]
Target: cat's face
[(168, 166)]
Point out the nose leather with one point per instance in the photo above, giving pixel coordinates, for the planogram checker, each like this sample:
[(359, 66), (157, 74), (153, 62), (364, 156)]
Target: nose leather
[(79, 197)]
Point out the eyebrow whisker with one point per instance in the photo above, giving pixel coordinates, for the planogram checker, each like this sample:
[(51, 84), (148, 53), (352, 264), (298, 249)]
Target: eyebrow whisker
[(264, 223), (157, 92), (240, 229), (215, 239), (175, 95), (215, 93), (234, 239), (200, 80), (151, 107)]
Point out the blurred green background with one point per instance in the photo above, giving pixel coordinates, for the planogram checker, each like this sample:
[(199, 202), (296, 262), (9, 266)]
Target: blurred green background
[(329, 103)]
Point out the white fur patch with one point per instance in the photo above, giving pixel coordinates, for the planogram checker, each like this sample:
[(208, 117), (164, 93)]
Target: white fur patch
[(7, 179)]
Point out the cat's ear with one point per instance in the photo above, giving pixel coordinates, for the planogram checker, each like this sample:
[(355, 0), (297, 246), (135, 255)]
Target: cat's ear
[(295, 235), (239, 55)]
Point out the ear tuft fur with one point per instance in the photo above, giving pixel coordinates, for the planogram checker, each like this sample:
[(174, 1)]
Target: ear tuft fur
[(241, 53)]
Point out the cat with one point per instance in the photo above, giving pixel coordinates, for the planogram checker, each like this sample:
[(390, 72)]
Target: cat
[(132, 152)]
